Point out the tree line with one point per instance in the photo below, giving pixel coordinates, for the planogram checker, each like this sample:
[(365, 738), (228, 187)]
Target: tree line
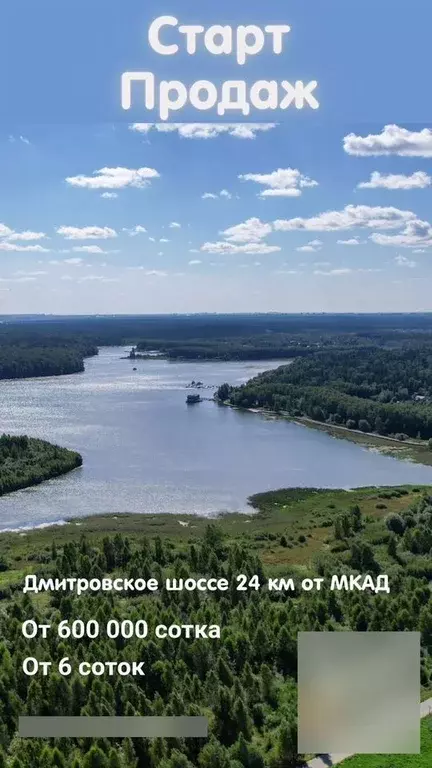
[(26, 461), (386, 391)]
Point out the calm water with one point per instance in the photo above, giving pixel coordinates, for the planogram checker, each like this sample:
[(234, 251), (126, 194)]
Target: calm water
[(146, 451)]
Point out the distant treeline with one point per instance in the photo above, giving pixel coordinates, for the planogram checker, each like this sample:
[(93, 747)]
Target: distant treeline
[(45, 346), (388, 391), (25, 461)]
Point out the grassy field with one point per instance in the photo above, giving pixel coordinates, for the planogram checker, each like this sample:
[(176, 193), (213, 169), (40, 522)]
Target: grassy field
[(423, 760), (304, 517)]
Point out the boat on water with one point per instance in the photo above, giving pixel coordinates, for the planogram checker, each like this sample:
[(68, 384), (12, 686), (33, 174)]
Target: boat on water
[(192, 399)]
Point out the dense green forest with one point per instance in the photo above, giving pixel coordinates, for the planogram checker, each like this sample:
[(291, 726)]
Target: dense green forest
[(27, 361), (26, 461), (39, 345), (373, 389), (245, 683)]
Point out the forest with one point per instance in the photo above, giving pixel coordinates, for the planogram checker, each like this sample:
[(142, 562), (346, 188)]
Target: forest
[(385, 390), (26, 461), (47, 345), (245, 683)]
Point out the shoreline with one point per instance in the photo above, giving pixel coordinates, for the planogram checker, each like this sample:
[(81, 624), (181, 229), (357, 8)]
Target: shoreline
[(416, 451)]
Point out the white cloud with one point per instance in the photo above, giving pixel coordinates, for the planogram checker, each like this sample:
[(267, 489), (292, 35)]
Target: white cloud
[(22, 139), (74, 260), (351, 217), (351, 241), (23, 273), (152, 239), (163, 240), (174, 225), (86, 233), (27, 235), (285, 182), (402, 261), (27, 279), (417, 180), (134, 231), (336, 272), (311, 247), (115, 178), (205, 130), (415, 234), (88, 249), (5, 231), (248, 231), (224, 193), (194, 261), (232, 248), (393, 140), (344, 271), (109, 195), (5, 245)]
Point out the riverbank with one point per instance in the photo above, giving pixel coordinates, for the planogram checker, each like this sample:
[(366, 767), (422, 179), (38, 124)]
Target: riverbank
[(417, 451), (286, 527)]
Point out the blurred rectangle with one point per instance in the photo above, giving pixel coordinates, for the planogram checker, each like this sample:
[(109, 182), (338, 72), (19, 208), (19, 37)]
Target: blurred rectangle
[(113, 727), (359, 692)]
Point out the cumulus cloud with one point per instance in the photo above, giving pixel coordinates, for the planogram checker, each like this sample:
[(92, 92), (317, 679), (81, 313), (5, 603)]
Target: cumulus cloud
[(233, 248), (350, 217), (109, 195), (114, 178), (402, 261), (174, 225), (415, 234), (209, 196), (284, 182), (205, 130), (26, 235), (134, 231), (86, 233), (194, 262), (393, 140), (417, 180), (311, 247), (164, 240), (5, 245), (251, 231)]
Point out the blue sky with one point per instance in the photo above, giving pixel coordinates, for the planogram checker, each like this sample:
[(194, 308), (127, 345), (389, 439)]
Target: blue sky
[(319, 211)]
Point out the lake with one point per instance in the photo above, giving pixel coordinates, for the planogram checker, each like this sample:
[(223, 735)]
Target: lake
[(146, 451)]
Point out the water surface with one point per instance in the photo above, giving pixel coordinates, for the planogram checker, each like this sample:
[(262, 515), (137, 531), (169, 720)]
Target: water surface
[(146, 451)]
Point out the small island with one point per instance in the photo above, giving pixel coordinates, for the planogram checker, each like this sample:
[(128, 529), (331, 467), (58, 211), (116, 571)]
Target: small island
[(26, 461), (192, 399)]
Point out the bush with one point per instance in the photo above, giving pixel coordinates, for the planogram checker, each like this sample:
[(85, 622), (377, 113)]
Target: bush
[(396, 524)]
